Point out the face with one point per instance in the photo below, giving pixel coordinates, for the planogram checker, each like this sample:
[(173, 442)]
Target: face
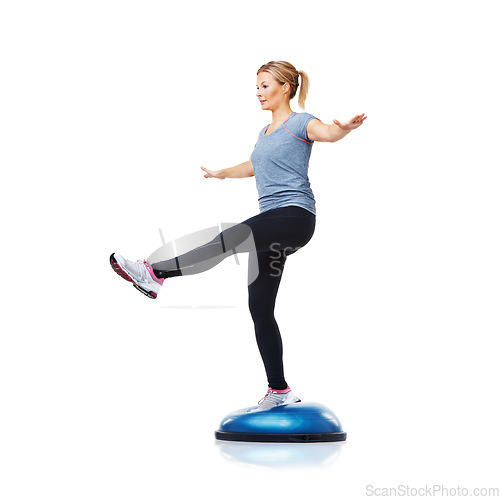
[(269, 91)]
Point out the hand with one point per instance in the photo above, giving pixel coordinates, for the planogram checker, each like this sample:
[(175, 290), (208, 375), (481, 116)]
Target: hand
[(217, 174), (352, 124)]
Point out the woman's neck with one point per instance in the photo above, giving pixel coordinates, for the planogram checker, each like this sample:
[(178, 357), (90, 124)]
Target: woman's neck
[(281, 114)]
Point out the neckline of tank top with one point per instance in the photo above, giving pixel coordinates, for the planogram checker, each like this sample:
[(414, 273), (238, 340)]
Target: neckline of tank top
[(277, 128)]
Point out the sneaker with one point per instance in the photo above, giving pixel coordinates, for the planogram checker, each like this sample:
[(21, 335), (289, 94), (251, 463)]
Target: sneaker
[(276, 397), (140, 273)]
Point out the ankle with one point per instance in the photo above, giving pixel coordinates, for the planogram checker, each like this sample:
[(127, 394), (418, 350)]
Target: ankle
[(281, 390), (158, 274)]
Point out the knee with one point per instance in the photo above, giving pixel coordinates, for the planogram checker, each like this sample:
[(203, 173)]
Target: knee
[(238, 236), (260, 309)]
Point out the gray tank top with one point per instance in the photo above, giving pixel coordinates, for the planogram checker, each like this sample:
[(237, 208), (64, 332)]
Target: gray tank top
[(281, 161)]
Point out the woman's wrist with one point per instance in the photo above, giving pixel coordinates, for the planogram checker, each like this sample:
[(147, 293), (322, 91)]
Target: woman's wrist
[(337, 133)]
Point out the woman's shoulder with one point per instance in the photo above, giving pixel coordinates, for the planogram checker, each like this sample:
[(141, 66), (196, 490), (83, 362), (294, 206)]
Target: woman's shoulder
[(304, 116), (298, 125)]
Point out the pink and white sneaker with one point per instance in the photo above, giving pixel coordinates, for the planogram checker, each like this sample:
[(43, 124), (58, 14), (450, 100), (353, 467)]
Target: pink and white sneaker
[(140, 273), (276, 397)]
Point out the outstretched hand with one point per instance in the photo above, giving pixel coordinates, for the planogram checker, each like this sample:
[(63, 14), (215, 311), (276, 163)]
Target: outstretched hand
[(352, 124), (216, 174)]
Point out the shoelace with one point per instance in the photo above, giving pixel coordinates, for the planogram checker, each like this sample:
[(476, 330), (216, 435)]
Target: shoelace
[(140, 268), (144, 270)]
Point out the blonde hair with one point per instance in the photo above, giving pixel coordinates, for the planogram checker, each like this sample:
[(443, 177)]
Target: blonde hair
[(284, 72)]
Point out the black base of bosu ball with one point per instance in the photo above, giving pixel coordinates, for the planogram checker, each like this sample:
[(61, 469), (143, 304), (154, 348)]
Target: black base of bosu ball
[(305, 422)]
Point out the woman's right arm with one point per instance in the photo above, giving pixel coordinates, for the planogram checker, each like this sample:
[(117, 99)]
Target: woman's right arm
[(242, 170)]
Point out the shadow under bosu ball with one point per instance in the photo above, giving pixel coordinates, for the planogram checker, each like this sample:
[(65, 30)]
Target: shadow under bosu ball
[(303, 422)]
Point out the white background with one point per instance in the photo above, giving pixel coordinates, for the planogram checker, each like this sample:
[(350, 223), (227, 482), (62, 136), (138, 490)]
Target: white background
[(389, 315)]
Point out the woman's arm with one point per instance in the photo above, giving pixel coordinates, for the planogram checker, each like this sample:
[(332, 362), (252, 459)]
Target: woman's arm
[(242, 170), (321, 132)]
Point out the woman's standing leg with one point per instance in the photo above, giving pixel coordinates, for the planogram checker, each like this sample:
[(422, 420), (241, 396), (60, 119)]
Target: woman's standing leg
[(277, 234), (262, 294)]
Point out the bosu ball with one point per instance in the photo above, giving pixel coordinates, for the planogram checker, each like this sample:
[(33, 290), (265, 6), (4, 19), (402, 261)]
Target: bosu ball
[(303, 422)]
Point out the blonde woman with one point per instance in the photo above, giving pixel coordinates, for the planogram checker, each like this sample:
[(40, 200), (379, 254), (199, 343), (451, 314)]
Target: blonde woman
[(286, 222)]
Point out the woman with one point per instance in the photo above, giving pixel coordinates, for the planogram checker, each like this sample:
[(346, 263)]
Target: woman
[(286, 221)]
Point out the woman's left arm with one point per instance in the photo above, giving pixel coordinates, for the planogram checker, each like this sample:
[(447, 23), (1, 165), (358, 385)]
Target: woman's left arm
[(321, 132)]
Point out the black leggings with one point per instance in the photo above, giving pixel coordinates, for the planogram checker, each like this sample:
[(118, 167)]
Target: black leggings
[(268, 238)]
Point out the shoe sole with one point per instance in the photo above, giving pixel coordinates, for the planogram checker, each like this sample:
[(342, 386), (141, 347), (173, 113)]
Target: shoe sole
[(258, 408), (118, 270), (149, 294)]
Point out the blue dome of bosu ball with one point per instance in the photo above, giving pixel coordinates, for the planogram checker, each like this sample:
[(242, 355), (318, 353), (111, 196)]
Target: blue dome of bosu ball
[(304, 422)]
